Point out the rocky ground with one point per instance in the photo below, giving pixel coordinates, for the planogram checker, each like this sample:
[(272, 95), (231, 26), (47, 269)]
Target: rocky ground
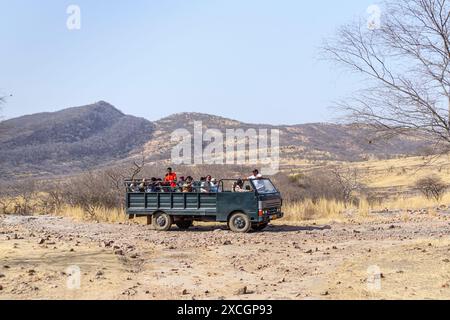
[(394, 257)]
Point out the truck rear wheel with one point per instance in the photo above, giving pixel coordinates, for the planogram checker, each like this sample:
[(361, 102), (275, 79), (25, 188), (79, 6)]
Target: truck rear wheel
[(240, 222), (184, 224), (162, 221), (259, 227)]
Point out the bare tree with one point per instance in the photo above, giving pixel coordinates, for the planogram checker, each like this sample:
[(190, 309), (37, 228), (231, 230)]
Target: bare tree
[(348, 180), (406, 62), (138, 166), (432, 187)]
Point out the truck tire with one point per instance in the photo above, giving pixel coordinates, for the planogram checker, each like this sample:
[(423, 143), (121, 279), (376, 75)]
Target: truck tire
[(259, 227), (161, 221), (184, 224), (239, 222)]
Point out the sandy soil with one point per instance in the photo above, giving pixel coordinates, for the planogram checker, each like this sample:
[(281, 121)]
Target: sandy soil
[(392, 258)]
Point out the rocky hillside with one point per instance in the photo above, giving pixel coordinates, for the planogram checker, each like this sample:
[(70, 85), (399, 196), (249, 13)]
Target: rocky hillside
[(320, 141), (69, 140), (96, 135)]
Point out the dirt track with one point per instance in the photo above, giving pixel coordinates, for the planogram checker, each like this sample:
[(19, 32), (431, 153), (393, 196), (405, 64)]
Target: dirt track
[(283, 262)]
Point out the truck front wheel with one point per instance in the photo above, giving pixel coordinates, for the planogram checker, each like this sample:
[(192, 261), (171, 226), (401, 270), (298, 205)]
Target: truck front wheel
[(162, 221), (240, 222)]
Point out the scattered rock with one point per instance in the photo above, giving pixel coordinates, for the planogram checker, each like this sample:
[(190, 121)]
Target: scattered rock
[(242, 291), (118, 252), (325, 293), (107, 244), (184, 292), (227, 243), (1, 287), (41, 241)]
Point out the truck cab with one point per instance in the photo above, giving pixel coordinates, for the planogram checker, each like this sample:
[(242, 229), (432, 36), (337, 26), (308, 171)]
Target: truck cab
[(252, 207)]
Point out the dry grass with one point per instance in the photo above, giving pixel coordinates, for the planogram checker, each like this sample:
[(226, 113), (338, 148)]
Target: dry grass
[(391, 180), (309, 210), (324, 210), (338, 211), (405, 203), (98, 214)]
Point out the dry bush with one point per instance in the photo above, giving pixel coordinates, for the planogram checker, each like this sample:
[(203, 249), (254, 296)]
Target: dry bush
[(432, 187), (19, 197), (90, 191), (332, 184)]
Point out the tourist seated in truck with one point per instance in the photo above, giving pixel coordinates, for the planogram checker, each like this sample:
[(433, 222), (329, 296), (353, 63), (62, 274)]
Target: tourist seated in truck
[(212, 182), (180, 183), (143, 186), (165, 186), (153, 186), (214, 185), (187, 186), (205, 185), (171, 178), (159, 181), (133, 187), (238, 186)]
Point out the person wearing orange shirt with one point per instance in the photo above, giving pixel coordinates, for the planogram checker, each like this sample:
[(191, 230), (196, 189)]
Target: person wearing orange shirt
[(171, 177)]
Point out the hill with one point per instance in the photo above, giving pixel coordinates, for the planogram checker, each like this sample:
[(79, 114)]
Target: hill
[(96, 135), (69, 140)]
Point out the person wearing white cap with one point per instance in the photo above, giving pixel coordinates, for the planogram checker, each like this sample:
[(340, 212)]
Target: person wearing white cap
[(257, 176)]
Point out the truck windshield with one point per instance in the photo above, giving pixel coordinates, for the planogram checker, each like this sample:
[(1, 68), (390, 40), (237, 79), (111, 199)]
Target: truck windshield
[(264, 186)]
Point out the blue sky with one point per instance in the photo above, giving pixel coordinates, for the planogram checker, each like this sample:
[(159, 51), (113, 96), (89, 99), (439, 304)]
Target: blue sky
[(255, 61)]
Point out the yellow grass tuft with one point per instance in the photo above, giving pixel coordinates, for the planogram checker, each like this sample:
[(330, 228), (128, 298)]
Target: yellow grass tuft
[(310, 210), (334, 210), (98, 214), (418, 202)]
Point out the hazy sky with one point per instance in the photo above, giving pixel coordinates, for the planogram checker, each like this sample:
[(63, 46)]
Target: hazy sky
[(252, 60)]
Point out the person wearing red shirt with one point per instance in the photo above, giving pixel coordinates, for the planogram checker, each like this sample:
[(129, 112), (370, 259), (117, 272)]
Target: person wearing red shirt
[(171, 177)]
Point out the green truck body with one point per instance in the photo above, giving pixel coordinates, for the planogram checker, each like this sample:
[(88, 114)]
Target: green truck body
[(257, 207)]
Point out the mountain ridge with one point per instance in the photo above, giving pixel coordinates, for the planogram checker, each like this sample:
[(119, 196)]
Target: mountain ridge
[(86, 137)]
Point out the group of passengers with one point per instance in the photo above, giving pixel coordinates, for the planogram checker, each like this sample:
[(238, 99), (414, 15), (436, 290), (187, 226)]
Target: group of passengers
[(171, 183)]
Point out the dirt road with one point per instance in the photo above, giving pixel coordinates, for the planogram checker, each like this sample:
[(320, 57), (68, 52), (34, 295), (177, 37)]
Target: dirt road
[(47, 257)]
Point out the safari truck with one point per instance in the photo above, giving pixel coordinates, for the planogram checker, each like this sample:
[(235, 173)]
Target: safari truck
[(258, 203)]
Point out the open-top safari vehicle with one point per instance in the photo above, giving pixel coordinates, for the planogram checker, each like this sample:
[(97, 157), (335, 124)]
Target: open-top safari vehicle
[(254, 207)]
